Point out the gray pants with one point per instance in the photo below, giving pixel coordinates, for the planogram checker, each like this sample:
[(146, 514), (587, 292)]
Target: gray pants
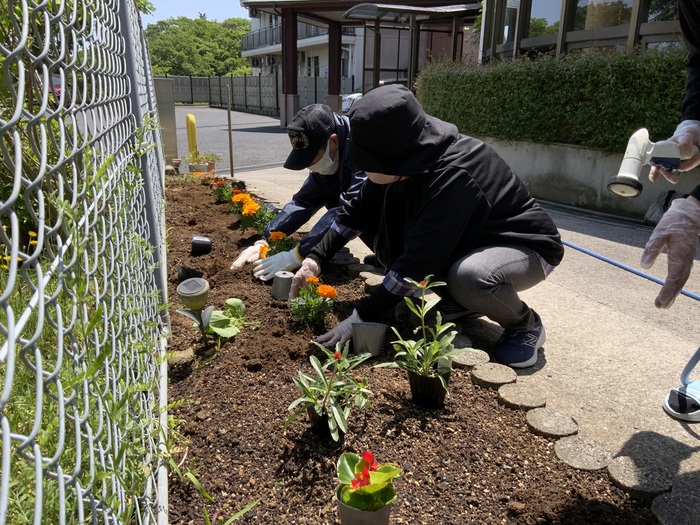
[(487, 281)]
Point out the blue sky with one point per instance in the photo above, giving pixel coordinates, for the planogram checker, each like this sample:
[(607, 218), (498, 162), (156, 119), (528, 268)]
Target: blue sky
[(218, 10)]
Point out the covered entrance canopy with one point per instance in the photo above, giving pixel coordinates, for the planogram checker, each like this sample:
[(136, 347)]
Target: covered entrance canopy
[(414, 16)]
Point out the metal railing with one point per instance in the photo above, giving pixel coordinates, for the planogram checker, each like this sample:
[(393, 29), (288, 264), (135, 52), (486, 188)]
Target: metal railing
[(82, 275), (271, 36), (251, 93)]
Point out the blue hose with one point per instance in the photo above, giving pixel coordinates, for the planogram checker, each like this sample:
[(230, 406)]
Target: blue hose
[(628, 268)]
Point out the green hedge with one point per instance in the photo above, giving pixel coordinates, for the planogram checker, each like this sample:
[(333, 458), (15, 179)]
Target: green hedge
[(589, 99)]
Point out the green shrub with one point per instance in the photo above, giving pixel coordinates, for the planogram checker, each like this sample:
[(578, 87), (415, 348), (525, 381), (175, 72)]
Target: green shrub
[(588, 98)]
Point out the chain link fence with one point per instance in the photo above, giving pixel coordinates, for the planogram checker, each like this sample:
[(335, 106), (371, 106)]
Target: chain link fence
[(82, 274)]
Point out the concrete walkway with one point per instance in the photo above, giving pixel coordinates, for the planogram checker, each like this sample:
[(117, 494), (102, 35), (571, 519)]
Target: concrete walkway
[(610, 357)]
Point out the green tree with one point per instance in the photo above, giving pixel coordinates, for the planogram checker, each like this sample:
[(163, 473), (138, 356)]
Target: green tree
[(197, 47), (539, 27)]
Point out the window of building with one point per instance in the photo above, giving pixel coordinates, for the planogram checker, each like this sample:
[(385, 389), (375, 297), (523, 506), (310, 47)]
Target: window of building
[(312, 67), (544, 18), (594, 14)]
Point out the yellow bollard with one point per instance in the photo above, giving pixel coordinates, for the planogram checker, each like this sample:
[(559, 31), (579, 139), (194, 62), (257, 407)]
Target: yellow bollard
[(191, 125)]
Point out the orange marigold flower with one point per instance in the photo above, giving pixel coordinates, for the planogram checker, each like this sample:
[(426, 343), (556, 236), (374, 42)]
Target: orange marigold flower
[(277, 236), (250, 208), (241, 198), (327, 292), (312, 280), (263, 251)]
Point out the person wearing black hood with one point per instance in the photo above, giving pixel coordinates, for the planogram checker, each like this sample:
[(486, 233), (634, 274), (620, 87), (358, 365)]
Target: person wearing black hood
[(441, 204), (318, 137)]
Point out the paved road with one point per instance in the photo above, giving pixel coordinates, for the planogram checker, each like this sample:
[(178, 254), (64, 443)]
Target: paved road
[(610, 356)]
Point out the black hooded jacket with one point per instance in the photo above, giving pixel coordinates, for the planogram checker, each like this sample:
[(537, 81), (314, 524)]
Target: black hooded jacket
[(458, 195)]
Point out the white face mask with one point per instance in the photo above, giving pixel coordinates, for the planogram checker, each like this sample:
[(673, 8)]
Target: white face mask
[(326, 166)]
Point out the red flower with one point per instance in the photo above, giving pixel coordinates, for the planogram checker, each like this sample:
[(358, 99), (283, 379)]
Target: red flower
[(368, 458), (423, 283), (361, 478), (337, 355)]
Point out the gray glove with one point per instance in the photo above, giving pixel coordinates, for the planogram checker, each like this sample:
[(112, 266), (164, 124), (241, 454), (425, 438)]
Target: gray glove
[(309, 268), (249, 255), (265, 269), (677, 231), (687, 135), (341, 333)]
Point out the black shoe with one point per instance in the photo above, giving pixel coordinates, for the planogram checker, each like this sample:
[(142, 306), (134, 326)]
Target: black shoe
[(372, 260)]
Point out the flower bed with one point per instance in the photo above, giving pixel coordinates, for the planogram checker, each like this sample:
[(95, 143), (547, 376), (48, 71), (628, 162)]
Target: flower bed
[(473, 461)]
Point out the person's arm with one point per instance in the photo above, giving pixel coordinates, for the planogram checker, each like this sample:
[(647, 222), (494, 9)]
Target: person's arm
[(316, 192), (687, 133)]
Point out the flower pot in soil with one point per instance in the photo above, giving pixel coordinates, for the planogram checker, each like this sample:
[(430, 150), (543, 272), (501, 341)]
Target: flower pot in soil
[(352, 516), (427, 391), (200, 167), (319, 424), (368, 337)]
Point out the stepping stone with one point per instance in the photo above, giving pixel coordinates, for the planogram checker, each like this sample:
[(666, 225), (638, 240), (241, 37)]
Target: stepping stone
[(493, 375), (520, 397), (354, 270), (676, 508), (583, 454), (550, 423), (642, 481), (372, 281), (470, 359)]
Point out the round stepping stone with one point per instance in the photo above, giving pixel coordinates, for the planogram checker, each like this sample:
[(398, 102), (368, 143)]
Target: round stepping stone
[(674, 508), (520, 397), (550, 423), (493, 375), (471, 358), (354, 270), (583, 454), (642, 481), (372, 281)]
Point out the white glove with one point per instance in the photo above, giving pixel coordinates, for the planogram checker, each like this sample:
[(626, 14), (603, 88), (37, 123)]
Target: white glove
[(687, 135), (678, 231), (341, 333), (265, 269), (309, 268), (249, 255)]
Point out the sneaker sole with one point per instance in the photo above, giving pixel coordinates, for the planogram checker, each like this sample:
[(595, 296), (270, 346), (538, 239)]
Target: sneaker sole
[(528, 363)]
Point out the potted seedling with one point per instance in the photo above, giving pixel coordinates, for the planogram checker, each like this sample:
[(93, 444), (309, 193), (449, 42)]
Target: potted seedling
[(366, 489), (427, 359), (329, 394), (201, 161)]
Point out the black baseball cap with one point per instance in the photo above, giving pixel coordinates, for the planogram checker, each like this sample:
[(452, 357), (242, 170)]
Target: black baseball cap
[(309, 132)]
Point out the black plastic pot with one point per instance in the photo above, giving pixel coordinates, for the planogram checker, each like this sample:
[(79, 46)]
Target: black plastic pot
[(185, 273), (200, 245)]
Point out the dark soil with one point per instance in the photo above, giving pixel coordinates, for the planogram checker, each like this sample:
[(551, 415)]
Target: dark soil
[(471, 462)]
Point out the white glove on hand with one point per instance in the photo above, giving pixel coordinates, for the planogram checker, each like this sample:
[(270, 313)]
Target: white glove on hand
[(265, 269), (249, 255), (678, 231), (687, 135), (341, 333), (309, 268)]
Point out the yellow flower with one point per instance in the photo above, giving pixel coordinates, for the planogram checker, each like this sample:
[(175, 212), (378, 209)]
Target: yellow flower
[(327, 292), (7, 257), (5, 267), (312, 280), (33, 243), (32, 234), (263, 251), (277, 236), (250, 208)]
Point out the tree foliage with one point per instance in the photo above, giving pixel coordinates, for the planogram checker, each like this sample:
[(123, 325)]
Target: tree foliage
[(198, 47)]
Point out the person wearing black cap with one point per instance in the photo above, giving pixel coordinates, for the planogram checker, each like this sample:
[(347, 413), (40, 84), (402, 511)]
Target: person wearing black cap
[(442, 204), (318, 137)]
